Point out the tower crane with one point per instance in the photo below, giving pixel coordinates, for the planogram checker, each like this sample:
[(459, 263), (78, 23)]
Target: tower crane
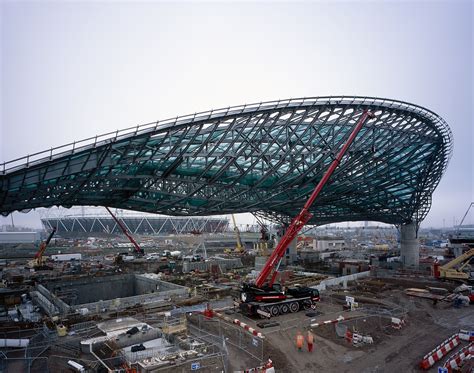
[(266, 298)]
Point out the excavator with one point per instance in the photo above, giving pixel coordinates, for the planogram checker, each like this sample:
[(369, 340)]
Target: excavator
[(264, 297), (456, 269), (38, 263)]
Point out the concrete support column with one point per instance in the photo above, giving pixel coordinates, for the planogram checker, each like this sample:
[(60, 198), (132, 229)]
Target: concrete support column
[(409, 246), (290, 256)]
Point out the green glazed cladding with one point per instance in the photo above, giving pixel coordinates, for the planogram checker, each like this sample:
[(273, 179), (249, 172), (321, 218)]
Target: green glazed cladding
[(263, 158)]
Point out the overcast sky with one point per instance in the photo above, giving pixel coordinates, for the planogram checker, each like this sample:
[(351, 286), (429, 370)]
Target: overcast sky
[(73, 70)]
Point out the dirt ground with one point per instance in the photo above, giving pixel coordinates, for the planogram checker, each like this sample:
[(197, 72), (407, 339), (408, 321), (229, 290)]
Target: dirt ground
[(426, 326)]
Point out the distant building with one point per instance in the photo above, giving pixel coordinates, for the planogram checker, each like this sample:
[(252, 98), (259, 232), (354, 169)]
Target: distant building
[(461, 240), (19, 237), (351, 266), (141, 224), (328, 243)]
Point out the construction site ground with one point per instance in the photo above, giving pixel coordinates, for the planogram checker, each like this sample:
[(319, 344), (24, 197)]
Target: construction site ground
[(393, 350)]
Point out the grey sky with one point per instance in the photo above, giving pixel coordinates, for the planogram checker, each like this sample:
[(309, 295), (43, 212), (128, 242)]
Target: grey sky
[(73, 70)]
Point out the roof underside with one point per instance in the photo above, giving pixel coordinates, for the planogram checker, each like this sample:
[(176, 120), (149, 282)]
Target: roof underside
[(264, 158)]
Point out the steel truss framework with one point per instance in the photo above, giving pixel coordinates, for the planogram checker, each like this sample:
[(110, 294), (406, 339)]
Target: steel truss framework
[(136, 225), (263, 158)]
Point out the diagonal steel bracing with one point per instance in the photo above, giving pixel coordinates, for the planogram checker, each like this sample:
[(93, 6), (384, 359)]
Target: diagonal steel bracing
[(264, 158)]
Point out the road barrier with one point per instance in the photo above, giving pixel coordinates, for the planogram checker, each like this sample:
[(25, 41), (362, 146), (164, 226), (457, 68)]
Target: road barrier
[(456, 360), (466, 335), (397, 323), (266, 368), (248, 328), (359, 339), (315, 325), (441, 350), (251, 330)]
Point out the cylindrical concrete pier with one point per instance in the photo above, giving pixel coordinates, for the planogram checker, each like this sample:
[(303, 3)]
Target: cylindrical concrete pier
[(409, 246)]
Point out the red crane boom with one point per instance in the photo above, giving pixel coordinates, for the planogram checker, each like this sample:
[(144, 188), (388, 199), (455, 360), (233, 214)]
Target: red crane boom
[(304, 216), (42, 248), (138, 249)]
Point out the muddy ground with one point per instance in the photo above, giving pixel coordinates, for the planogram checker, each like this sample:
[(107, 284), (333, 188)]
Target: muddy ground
[(393, 350)]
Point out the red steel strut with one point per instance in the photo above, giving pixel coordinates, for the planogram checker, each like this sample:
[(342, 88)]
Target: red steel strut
[(138, 249), (304, 216)]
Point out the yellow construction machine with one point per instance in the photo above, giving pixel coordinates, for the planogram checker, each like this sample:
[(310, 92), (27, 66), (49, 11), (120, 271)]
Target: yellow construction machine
[(457, 269), (239, 248)]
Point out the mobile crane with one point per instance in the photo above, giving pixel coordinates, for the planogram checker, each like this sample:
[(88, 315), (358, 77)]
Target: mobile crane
[(38, 263), (266, 298), (138, 250)]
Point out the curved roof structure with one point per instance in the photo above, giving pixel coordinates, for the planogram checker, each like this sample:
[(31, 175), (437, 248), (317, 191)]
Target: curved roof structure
[(263, 158)]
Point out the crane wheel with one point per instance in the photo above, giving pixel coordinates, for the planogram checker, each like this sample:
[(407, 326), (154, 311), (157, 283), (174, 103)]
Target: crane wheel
[(274, 311), (284, 309), (294, 307), (307, 304)]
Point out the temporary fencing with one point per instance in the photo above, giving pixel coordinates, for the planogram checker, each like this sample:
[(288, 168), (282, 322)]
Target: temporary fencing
[(265, 368), (248, 328), (24, 364), (341, 329), (440, 351), (251, 330), (348, 335), (227, 333), (456, 360)]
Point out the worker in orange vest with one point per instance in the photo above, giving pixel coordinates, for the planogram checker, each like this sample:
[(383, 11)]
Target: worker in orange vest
[(299, 341), (310, 341)]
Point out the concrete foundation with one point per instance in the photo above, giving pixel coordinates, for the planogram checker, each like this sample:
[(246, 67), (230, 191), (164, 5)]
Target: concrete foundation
[(108, 292), (88, 290), (223, 264), (291, 255), (260, 262), (409, 246)]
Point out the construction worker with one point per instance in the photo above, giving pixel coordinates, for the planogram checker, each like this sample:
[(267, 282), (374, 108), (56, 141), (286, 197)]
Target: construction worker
[(299, 341), (310, 341)]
